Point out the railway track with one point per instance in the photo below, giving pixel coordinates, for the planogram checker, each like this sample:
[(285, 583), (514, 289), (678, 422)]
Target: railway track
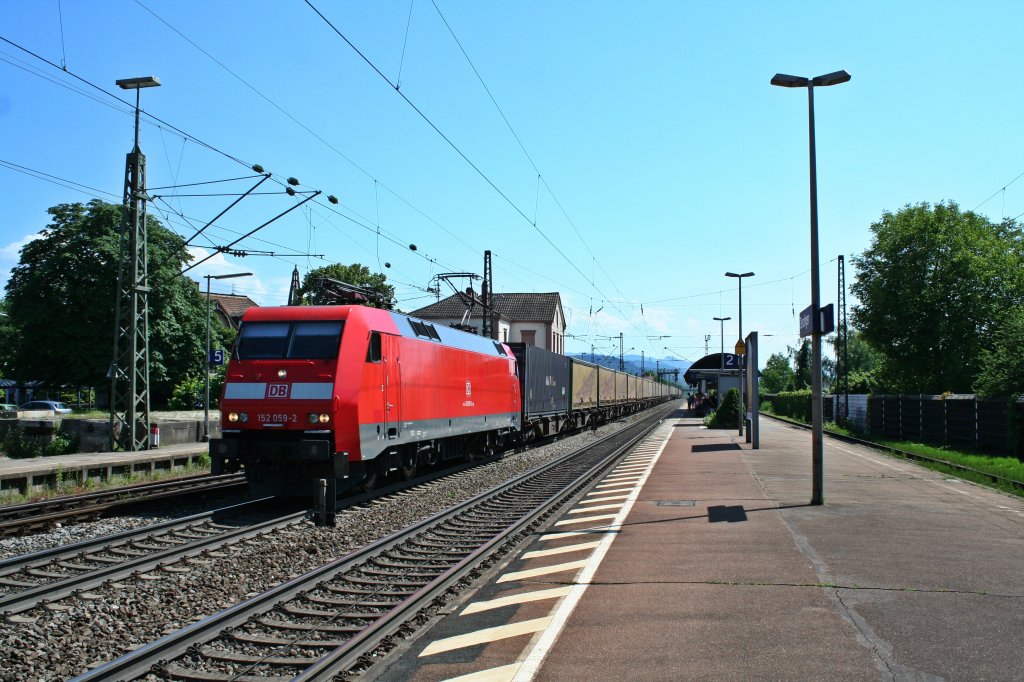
[(332, 619), (22, 519), (48, 575)]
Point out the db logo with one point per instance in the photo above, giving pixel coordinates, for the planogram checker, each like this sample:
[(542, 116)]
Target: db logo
[(277, 390)]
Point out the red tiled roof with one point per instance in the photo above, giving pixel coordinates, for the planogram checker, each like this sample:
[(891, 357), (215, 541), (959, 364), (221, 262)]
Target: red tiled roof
[(514, 307), (232, 305)]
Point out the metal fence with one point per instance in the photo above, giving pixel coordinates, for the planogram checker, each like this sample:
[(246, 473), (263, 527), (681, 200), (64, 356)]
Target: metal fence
[(994, 426), (959, 420)]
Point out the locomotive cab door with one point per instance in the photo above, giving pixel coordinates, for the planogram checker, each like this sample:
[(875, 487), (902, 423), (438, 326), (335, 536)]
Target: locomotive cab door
[(392, 393)]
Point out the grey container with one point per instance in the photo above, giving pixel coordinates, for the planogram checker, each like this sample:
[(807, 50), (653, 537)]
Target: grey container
[(545, 380)]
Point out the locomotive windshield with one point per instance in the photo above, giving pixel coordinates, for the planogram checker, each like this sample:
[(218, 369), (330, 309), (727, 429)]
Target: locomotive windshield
[(317, 340)]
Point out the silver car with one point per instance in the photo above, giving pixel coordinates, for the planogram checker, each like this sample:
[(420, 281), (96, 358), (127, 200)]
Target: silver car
[(45, 406)]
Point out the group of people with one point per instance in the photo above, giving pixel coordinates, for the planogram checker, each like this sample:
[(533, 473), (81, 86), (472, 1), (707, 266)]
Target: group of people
[(701, 404)]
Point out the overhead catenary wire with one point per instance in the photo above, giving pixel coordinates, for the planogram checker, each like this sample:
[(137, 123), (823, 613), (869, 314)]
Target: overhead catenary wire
[(125, 107)]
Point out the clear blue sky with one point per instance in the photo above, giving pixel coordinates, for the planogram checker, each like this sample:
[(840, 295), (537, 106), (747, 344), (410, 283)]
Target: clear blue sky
[(652, 123)]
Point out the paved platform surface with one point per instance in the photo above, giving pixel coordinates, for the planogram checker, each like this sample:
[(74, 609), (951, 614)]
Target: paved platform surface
[(17, 473), (700, 559)]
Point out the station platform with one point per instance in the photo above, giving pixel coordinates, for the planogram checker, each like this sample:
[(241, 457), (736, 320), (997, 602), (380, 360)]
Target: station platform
[(27, 475), (699, 558)]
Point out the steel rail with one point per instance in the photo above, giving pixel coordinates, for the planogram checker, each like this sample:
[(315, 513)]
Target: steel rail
[(18, 601), (24, 599), (45, 513), (157, 655)]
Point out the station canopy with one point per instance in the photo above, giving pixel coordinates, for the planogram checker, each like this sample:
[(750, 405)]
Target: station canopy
[(709, 368)]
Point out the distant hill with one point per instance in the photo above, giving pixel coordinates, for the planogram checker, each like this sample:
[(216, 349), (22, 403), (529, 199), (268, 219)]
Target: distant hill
[(632, 363)]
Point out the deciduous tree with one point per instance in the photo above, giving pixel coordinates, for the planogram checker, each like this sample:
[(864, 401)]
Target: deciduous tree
[(934, 287), (777, 375), (61, 302)]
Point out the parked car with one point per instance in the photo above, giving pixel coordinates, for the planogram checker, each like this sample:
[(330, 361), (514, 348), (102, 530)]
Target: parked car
[(45, 406), (7, 407)]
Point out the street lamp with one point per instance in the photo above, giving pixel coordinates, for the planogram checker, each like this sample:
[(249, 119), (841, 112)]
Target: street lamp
[(206, 373), (739, 280), (721, 353), (137, 84), (817, 446)]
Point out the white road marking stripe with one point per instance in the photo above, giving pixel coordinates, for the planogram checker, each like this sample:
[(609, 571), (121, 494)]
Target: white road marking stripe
[(585, 519), (603, 530), (612, 488), (543, 570), (488, 635), (566, 549), (512, 600), (587, 510), (607, 498)]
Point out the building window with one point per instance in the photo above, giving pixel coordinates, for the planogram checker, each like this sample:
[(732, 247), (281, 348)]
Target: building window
[(529, 337)]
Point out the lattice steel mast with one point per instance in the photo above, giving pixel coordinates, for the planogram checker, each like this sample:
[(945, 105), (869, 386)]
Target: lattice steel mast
[(129, 375)]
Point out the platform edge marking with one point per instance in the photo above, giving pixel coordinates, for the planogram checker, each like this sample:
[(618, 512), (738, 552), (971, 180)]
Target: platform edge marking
[(532, 662)]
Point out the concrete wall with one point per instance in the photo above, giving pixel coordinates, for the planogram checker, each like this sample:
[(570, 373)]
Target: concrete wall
[(94, 434)]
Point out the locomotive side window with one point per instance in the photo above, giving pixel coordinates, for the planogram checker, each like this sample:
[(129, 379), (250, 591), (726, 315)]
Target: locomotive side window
[(373, 353), (315, 340), (263, 340)]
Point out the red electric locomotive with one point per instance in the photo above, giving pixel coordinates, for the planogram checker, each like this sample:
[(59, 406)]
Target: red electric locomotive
[(332, 392)]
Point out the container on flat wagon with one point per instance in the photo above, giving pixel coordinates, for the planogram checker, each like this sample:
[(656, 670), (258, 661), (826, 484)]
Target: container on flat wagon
[(606, 385), (620, 387), (545, 380), (584, 385)]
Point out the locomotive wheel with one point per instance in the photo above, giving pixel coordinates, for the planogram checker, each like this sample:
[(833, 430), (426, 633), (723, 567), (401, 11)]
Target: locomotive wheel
[(407, 467), (372, 477)]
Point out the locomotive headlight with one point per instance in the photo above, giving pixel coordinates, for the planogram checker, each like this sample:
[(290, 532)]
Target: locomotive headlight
[(232, 417), (282, 373), (243, 417), (324, 418), (312, 418)]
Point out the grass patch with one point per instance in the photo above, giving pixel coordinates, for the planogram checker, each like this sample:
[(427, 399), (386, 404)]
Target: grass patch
[(72, 487)]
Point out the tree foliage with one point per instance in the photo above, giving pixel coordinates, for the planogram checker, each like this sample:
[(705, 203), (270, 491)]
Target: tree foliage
[(801, 357), (1002, 368), (311, 292), (935, 287), (61, 299), (777, 375)]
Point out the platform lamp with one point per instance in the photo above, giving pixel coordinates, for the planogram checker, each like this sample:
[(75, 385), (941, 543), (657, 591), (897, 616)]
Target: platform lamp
[(817, 446), (721, 352), (206, 373), (739, 280)]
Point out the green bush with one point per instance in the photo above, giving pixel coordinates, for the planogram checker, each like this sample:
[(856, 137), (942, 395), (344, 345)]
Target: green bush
[(191, 391), (725, 417), (16, 446), (187, 394), (795, 404), (60, 445)]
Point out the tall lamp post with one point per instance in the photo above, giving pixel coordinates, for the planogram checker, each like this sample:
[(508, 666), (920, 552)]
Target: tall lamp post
[(817, 447), (206, 373), (739, 280), (721, 351)]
